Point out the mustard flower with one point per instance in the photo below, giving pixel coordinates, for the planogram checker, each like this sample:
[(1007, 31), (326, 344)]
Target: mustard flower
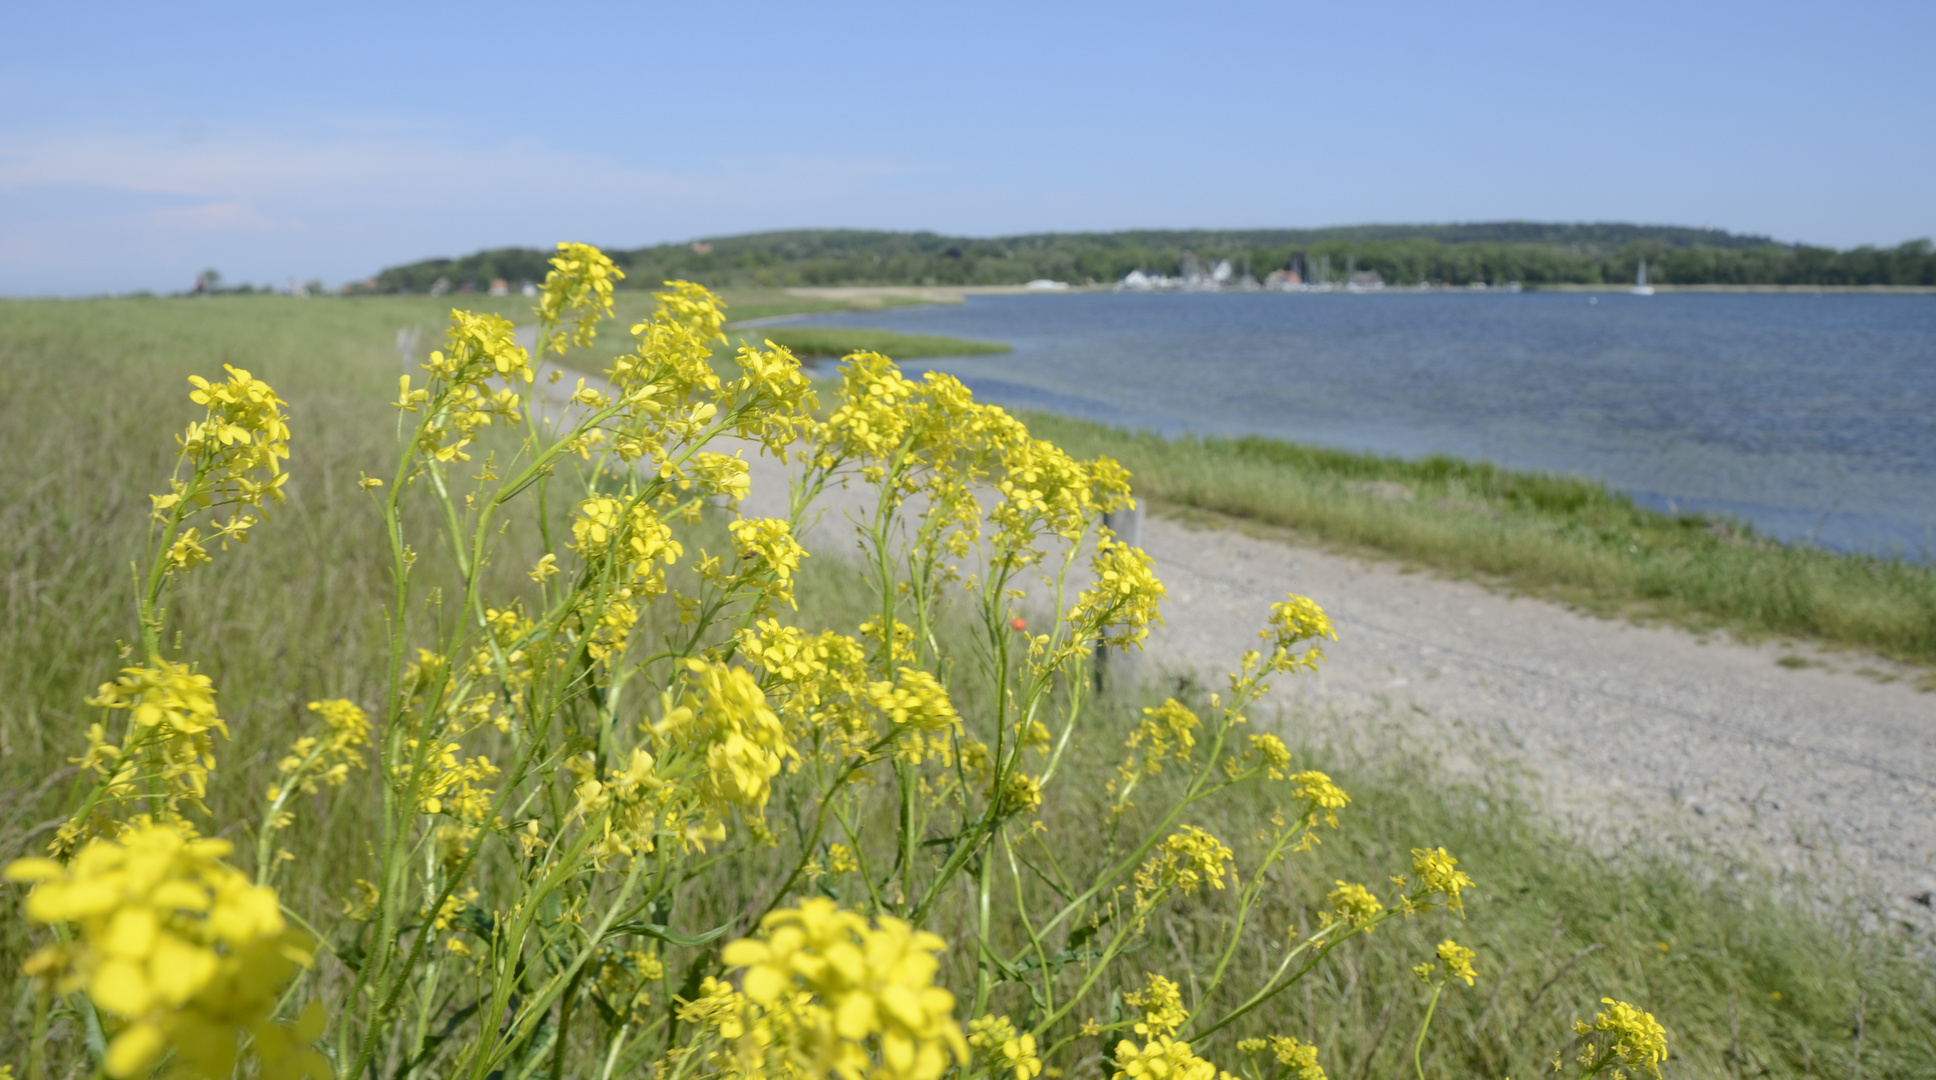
[(179, 948), (1638, 1040), (579, 289), (1268, 752), (767, 546), (1161, 1058), (1293, 622), (722, 719), (1187, 859), (1162, 1005), (1122, 604), (872, 985), (1001, 1050), (1166, 731), (1301, 1057), (173, 720), (1324, 794), (1457, 960), (1352, 903), (1439, 873)]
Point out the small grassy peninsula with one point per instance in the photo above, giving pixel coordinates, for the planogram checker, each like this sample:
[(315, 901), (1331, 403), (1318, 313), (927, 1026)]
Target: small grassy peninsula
[(1561, 537), (816, 342)]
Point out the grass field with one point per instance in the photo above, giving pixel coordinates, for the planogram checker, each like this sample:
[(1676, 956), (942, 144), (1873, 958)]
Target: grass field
[(91, 392), (1560, 537)]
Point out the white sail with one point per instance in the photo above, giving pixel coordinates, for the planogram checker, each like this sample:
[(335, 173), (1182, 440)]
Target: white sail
[(1641, 288)]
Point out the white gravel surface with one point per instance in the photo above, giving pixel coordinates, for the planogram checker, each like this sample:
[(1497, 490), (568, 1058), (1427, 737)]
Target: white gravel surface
[(1815, 772)]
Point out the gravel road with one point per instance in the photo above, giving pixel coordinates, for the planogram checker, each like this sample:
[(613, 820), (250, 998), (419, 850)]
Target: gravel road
[(1816, 772)]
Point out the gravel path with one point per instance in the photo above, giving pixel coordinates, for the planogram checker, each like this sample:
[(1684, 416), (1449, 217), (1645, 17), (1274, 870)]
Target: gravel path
[(1626, 729)]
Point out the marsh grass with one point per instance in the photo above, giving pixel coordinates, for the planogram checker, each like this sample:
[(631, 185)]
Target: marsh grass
[(833, 341), (1555, 536), (91, 393)]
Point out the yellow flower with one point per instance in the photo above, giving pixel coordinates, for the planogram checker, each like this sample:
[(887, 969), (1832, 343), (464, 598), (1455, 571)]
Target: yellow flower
[(1188, 860), (1293, 622), (1458, 960), (1324, 794), (1168, 730), (916, 700), (1439, 873), (1002, 1051), (722, 719), (1639, 1041), (871, 985), (1353, 903), (1162, 1006), (1268, 752), (241, 443), (1300, 1056), (1122, 604), (1162, 1058), (180, 948), (578, 288), (767, 546)]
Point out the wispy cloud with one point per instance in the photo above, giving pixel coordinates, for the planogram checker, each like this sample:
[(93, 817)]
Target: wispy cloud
[(105, 210)]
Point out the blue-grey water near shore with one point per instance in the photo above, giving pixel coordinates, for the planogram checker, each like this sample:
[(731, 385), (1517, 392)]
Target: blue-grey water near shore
[(1813, 417)]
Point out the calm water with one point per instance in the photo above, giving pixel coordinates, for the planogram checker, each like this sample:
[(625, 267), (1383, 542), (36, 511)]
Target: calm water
[(1814, 417)]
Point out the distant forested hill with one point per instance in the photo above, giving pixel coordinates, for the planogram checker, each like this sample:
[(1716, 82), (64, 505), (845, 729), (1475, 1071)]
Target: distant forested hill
[(1495, 252)]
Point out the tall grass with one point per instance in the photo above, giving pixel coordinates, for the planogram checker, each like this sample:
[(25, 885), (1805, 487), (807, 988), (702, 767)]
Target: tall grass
[(1557, 536), (91, 392)]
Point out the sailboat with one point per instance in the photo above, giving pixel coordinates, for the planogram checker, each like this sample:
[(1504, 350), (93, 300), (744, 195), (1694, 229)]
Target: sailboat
[(1641, 288)]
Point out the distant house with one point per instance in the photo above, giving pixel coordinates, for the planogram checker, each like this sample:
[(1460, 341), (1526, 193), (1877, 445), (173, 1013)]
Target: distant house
[(500, 287), (1136, 281), (1045, 285), (700, 247)]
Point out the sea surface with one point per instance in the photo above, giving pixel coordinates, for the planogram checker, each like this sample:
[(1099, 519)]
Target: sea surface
[(1811, 417)]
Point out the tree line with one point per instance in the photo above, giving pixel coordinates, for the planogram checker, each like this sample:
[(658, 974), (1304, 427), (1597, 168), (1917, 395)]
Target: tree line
[(1495, 253)]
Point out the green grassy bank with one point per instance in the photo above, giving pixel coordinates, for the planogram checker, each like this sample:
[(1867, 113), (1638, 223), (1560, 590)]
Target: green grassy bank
[(1555, 536), (817, 342), (91, 394)]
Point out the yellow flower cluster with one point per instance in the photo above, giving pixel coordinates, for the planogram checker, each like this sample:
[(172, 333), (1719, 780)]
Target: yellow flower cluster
[(1161, 1058), (170, 737), (1354, 904), (175, 945), (1301, 1058), (449, 784), (767, 546), (1119, 608), (875, 1011), (631, 535), (1295, 621), (1457, 960), (239, 447), (1003, 1052), (1187, 859), (579, 289), (1162, 1005), (1439, 873), (1268, 752), (327, 758), (1638, 1040), (477, 348), (1166, 731), (723, 727), (1324, 794)]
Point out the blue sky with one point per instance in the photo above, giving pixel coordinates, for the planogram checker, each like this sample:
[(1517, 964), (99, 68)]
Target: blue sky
[(142, 143)]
